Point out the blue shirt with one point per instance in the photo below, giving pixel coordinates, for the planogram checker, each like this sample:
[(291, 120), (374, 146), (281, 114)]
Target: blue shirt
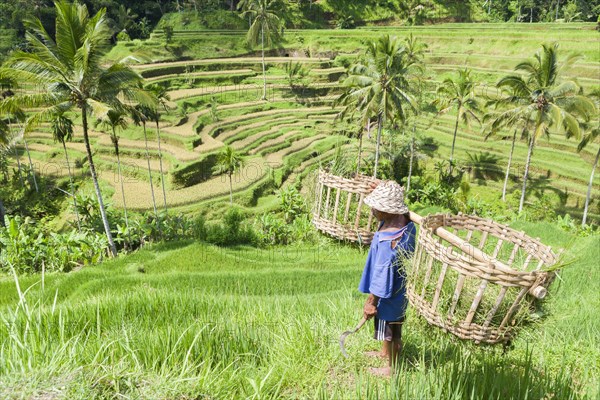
[(384, 274)]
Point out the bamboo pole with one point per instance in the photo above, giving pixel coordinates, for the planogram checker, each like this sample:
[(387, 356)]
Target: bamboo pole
[(475, 253)]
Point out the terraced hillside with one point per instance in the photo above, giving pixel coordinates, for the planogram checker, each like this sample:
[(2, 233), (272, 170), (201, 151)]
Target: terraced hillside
[(216, 101)]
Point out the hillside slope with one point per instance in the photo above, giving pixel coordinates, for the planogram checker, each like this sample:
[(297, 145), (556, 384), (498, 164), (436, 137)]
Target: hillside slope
[(188, 320)]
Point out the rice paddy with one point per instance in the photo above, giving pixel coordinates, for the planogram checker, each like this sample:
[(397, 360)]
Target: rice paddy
[(189, 320), (265, 129)]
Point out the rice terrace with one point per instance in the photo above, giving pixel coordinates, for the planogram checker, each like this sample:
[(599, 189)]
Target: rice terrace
[(307, 199)]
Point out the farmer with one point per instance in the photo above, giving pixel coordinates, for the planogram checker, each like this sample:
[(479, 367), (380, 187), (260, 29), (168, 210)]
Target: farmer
[(383, 277)]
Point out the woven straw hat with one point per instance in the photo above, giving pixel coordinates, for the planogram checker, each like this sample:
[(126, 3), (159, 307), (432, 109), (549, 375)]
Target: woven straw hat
[(387, 197)]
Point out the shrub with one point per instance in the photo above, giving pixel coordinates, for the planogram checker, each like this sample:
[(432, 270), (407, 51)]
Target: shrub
[(272, 230), (123, 37), (292, 203), (230, 231), (345, 22), (195, 172), (27, 247)]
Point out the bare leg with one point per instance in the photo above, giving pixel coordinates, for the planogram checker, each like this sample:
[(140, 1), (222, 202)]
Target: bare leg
[(394, 355), (381, 354), (392, 349), (389, 352)]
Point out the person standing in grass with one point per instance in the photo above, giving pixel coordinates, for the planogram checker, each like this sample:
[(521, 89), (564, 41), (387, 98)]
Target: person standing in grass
[(383, 277)]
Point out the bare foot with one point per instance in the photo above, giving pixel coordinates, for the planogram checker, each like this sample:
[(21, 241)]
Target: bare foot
[(375, 353), (383, 371)]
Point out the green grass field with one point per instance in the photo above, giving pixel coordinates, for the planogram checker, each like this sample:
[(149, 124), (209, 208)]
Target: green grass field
[(192, 321)]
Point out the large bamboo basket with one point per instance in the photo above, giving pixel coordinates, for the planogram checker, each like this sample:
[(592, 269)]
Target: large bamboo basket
[(339, 209), (471, 276)]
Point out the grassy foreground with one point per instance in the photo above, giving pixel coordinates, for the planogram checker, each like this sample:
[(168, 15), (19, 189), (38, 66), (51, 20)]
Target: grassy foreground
[(192, 321)]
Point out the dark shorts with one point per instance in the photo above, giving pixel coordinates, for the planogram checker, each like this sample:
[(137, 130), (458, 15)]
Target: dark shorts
[(388, 330)]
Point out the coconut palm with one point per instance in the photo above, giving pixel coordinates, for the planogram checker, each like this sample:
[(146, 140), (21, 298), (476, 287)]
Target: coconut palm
[(162, 97), (15, 114), (229, 162), (592, 135), (415, 50), (541, 97), (459, 93), (3, 142), (265, 27), (140, 115), (506, 99), (62, 131), (71, 70), (112, 120), (7, 137), (379, 86)]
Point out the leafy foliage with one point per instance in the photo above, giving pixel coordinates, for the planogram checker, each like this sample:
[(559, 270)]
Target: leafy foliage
[(29, 247)]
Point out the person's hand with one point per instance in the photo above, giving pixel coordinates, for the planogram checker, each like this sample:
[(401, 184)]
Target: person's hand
[(369, 310), (374, 182)]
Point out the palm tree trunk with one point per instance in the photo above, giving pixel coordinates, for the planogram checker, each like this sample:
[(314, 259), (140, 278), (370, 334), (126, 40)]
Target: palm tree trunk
[(17, 157), (512, 149), (72, 186), (262, 40), (162, 175), (2, 214), (454, 137), (19, 167), (531, 144), (412, 156), (379, 127), (589, 191), (116, 144), (31, 170), (88, 149), (230, 189), (150, 173), (531, 15), (360, 138), (557, 6)]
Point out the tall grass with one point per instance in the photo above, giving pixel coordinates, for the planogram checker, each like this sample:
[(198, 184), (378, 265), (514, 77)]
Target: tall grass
[(191, 321)]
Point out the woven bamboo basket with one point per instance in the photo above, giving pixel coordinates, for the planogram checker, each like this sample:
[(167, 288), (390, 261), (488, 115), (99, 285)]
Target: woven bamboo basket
[(339, 209), (471, 276)]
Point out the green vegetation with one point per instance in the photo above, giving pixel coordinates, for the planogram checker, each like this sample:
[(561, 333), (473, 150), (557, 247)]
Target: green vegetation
[(165, 323), (230, 291)]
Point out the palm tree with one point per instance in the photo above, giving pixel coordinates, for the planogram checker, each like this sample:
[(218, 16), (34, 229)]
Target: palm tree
[(541, 97), (62, 131), (71, 69), (416, 53), (162, 97), (140, 114), (265, 27), (592, 135), (15, 114), (380, 86), (294, 72), (459, 93), (116, 119), (506, 100), (3, 142), (229, 161), (12, 111)]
